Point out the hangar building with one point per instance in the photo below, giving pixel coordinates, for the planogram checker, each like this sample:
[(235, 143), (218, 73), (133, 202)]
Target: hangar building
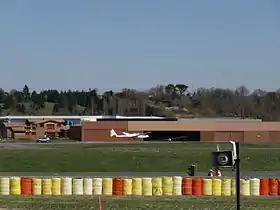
[(205, 130)]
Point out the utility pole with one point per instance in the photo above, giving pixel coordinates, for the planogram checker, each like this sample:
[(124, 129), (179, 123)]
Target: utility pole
[(237, 176), (91, 101), (230, 158)]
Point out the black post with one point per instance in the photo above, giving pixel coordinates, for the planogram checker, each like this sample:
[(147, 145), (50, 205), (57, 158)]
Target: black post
[(237, 176)]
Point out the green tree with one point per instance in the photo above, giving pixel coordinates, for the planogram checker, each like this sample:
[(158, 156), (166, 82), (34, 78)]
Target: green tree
[(26, 93), (181, 88)]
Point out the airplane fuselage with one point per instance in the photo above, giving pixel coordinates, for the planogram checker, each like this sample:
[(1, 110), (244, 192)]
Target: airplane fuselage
[(129, 135)]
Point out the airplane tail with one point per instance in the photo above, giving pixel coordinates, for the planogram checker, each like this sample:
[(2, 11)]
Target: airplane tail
[(113, 133)]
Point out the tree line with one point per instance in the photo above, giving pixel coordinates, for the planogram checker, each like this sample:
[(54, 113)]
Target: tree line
[(172, 100)]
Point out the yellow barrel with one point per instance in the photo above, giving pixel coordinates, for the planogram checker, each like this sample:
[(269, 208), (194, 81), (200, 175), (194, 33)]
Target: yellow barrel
[(226, 187), (66, 186), (107, 185), (87, 186), (207, 187), (97, 186), (136, 186), (37, 186), (147, 187), (46, 186), (217, 187), (56, 186), (157, 186), (233, 187), (5, 186), (167, 185), (255, 187), (15, 188), (78, 186), (177, 185), (127, 186), (244, 187)]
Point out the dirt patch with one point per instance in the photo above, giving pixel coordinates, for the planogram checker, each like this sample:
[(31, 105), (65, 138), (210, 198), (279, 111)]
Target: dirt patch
[(8, 209)]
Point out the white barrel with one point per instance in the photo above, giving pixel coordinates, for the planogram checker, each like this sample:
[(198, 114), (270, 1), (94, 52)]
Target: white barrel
[(127, 186), (15, 188), (37, 186), (207, 187), (255, 187), (167, 185), (147, 187), (97, 186), (56, 186), (177, 185), (66, 186), (87, 186), (5, 186), (78, 186), (107, 186), (137, 186), (157, 186), (245, 187), (226, 187)]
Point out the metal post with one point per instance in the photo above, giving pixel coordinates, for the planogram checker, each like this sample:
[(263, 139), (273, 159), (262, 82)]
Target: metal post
[(237, 176)]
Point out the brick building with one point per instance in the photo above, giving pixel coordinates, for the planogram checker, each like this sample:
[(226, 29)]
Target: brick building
[(34, 130), (203, 131)]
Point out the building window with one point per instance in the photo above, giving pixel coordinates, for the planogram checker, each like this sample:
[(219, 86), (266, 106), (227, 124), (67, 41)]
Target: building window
[(51, 134), (50, 126)]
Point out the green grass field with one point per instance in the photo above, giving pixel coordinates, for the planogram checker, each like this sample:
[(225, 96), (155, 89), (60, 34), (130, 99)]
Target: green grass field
[(129, 203), (169, 157)]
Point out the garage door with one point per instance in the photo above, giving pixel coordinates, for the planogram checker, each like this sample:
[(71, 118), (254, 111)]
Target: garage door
[(228, 136)]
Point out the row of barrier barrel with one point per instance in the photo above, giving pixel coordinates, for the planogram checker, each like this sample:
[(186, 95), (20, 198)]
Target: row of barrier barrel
[(156, 186)]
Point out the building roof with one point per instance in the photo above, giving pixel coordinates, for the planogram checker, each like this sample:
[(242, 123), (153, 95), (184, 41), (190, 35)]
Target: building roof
[(225, 119), (14, 124), (46, 121), (18, 129), (43, 117), (79, 117)]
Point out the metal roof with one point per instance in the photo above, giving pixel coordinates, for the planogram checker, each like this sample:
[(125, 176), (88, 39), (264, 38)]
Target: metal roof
[(219, 120), (79, 117)]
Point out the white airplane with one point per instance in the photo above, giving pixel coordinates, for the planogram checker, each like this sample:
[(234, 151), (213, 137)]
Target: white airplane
[(129, 135)]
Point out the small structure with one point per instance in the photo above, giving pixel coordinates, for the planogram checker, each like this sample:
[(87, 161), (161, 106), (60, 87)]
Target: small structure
[(33, 129), (52, 128)]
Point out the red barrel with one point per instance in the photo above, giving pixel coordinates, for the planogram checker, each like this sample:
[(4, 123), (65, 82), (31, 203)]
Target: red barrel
[(187, 186), (197, 186)]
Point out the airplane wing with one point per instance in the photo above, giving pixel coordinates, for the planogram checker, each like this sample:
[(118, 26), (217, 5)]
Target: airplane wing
[(135, 134), (174, 138), (126, 133)]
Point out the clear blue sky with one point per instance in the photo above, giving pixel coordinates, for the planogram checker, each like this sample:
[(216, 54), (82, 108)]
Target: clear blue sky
[(81, 44)]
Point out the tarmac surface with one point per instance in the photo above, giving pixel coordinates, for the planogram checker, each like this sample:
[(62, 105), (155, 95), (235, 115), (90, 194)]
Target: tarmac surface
[(37, 146)]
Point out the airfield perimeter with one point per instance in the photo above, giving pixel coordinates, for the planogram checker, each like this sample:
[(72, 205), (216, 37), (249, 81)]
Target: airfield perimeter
[(131, 159)]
